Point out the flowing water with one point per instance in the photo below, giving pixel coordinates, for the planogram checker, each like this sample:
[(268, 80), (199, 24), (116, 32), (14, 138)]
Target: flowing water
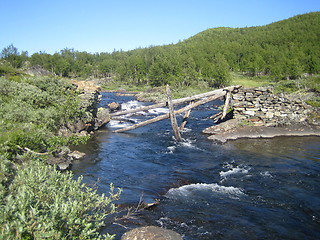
[(245, 189)]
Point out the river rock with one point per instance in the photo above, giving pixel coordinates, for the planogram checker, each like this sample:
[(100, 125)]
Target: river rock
[(62, 163), (76, 154), (103, 117), (114, 106), (151, 233)]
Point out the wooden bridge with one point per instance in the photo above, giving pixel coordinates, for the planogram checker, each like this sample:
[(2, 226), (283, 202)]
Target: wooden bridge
[(194, 101)]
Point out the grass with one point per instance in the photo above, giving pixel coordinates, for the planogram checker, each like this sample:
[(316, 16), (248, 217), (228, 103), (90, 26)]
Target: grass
[(120, 86), (246, 81)]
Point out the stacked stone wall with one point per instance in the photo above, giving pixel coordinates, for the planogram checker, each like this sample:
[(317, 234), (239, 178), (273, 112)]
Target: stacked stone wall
[(261, 104)]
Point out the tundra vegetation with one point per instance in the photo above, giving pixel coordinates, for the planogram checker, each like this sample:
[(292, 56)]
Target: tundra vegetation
[(39, 202)]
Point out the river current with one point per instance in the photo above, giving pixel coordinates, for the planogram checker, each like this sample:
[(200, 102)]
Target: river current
[(244, 189)]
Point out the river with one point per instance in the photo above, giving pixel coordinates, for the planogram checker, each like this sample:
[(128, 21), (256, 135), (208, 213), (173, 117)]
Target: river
[(244, 189)]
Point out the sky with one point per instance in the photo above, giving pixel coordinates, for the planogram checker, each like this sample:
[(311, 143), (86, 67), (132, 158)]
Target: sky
[(107, 25)]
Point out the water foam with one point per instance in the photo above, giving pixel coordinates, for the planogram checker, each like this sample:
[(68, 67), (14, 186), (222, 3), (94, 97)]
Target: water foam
[(233, 171), (171, 149), (192, 190), (118, 124), (188, 143), (131, 105), (158, 111), (266, 174)]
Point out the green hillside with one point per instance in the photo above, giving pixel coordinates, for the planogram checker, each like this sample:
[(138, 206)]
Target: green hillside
[(285, 49), (282, 50)]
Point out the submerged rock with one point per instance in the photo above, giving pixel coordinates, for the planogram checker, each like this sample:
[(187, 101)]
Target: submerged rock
[(151, 233)]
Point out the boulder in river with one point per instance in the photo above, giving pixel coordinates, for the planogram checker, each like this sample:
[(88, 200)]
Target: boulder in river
[(114, 106), (103, 117), (151, 233)]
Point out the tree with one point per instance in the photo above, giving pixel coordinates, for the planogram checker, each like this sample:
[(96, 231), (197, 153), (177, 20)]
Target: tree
[(12, 55)]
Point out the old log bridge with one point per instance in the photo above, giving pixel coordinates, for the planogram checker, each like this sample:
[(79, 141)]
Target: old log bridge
[(204, 98)]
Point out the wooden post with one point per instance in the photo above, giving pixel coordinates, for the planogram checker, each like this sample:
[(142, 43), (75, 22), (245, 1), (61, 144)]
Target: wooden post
[(185, 118), (172, 114), (226, 104)]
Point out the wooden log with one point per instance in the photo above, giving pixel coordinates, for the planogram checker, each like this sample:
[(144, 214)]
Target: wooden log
[(172, 115), (226, 105), (165, 116), (25, 149), (219, 92), (123, 119), (217, 117), (185, 119)]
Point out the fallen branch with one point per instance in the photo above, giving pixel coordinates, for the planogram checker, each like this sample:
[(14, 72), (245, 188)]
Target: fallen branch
[(25, 149), (165, 116), (185, 119)]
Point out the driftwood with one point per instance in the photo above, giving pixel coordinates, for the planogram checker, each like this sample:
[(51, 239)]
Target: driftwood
[(165, 116), (123, 119), (25, 149), (185, 119), (226, 105), (172, 115), (213, 95), (217, 117), (218, 92)]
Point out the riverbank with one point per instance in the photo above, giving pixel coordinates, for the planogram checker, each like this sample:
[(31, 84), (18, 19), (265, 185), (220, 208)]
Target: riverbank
[(34, 109), (261, 113), (233, 130)]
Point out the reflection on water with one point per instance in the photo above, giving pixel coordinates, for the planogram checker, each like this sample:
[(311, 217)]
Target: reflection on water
[(246, 189)]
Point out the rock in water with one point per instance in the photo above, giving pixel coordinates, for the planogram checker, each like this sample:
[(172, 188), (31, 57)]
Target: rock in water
[(76, 155), (151, 233), (103, 117), (114, 106)]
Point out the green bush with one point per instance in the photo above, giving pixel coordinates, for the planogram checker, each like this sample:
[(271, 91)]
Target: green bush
[(8, 70), (288, 86), (314, 102), (42, 203), (38, 202), (31, 111), (6, 173), (312, 83)]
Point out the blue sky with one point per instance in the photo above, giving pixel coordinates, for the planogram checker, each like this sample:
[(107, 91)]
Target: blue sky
[(105, 25)]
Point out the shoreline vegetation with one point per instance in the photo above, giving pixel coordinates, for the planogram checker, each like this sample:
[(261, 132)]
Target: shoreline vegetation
[(41, 94)]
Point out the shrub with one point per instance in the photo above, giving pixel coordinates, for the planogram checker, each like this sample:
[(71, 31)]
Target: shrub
[(288, 86), (313, 83), (6, 173), (31, 111), (314, 102), (44, 203), (8, 70)]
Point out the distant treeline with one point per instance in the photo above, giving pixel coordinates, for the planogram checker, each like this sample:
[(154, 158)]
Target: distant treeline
[(282, 50)]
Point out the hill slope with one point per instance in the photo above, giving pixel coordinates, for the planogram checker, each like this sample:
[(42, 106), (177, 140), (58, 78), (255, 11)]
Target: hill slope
[(268, 49), (283, 50)]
